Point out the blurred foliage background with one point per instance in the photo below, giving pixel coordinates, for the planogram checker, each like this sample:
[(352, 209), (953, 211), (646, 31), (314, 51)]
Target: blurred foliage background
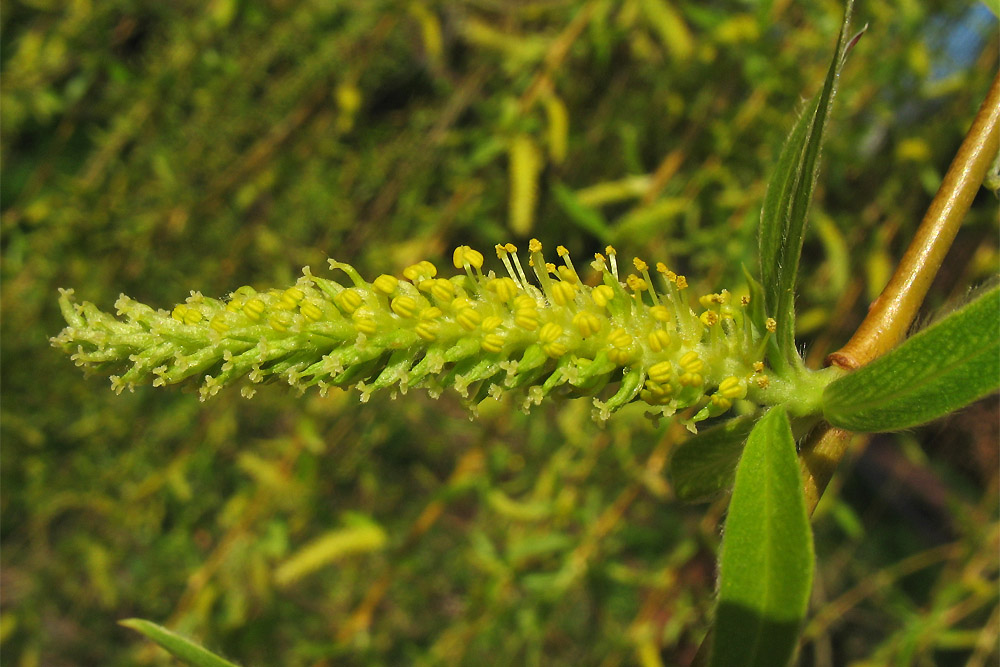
[(156, 148)]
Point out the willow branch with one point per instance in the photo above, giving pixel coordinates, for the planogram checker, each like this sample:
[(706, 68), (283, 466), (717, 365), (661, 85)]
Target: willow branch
[(892, 313), (894, 310)]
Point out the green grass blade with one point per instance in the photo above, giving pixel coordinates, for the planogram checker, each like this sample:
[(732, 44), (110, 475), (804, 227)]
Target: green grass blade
[(766, 564), (705, 464), (179, 647), (786, 203), (941, 369), (585, 217)]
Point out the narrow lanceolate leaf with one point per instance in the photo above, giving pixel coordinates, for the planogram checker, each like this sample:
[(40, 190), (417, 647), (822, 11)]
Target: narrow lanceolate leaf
[(766, 564), (941, 369), (177, 646), (786, 204), (705, 464)]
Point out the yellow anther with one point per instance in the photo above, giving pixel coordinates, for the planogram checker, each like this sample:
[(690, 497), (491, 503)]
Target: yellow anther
[(554, 349), (550, 332), (492, 342), (492, 322), (386, 284), (443, 290), (561, 250), (180, 310), (404, 306), (420, 271), (311, 311), (550, 268), (505, 288), (635, 283), (291, 297), (466, 256), (526, 318), (667, 273), (744, 301), (347, 300), (534, 245), (235, 305), (771, 324), (640, 265), (658, 340), (599, 258), (691, 363), (731, 387), (758, 366), (657, 388), (690, 380), (602, 294), (723, 297), (280, 321), (587, 323), (501, 251), (763, 382), (193, 316), (655, 394), (568, 275), (660, 313), (620, 357), (611, 251), (364, 324), (563, 293), (721, 402), (427, 330), (430, 313), (709, 318), (218, 323), (707, 300), (524, 302), (682, 282), (510, 247), (468, 318), (254, 308), (620, 338), (661, 372)]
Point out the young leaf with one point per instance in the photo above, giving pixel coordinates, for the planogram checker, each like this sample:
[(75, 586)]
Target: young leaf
[(177, 646), (939, 370), (766, 564), (786, 203), (705, 464)]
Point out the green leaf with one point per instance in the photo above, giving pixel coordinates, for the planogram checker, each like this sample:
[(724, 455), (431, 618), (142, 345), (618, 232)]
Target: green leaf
[(941, 369), (786, 203), (766, 564), (179, 647), (705, 464), (587, 218)]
